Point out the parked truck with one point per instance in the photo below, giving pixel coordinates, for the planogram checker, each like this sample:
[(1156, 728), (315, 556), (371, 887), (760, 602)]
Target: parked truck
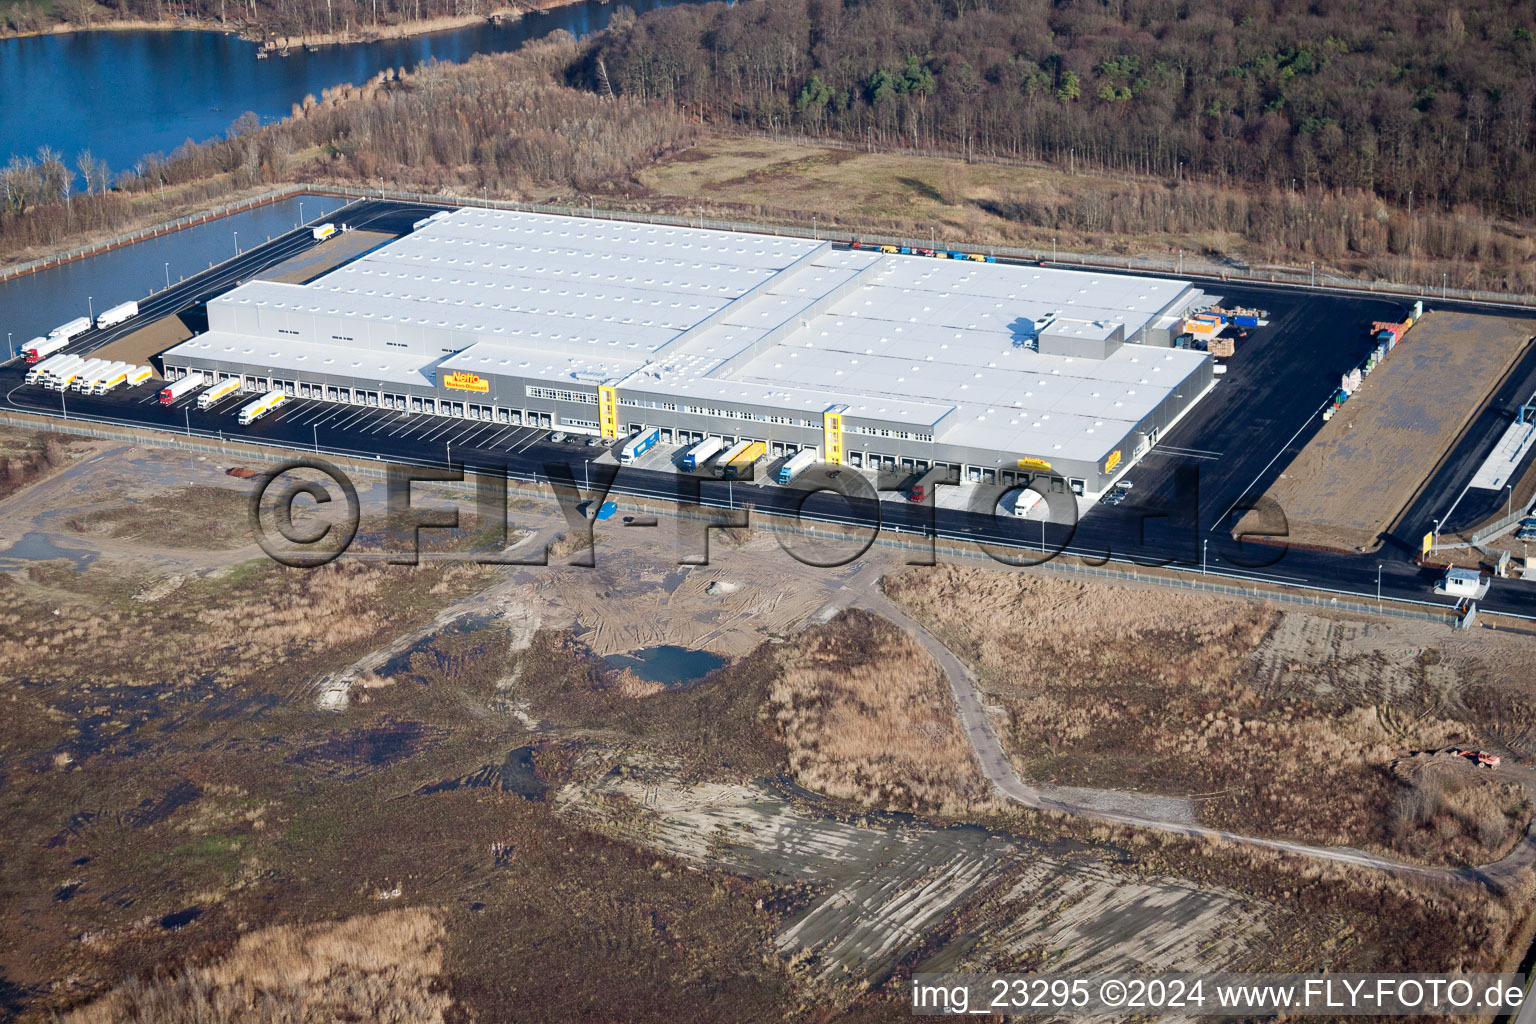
[(740, 468), (323, 231), (729, 454), (259, 408), (699, 454), (140, 375), (180, 388), (57, 370), (117, 314), (63, 380), (42, 348), (638, 445), (71, 329), (42, 369), (796, 464), (223, 389), (114, 378), (927, 485), (87, 382)]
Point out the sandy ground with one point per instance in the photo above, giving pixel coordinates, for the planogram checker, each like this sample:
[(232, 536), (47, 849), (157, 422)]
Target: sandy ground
[(146, 342), (325, 257), (1360, 471)]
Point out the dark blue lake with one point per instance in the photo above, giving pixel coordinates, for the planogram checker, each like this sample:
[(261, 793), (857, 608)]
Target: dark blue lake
[(125, 94)]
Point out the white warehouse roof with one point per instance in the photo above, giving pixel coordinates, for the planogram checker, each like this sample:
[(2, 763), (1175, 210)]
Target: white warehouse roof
[(789, 323)]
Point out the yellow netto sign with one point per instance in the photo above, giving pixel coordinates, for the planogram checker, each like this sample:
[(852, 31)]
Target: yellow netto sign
[(1112, 461), (462, 380), (1033, 463), (1429, 542)]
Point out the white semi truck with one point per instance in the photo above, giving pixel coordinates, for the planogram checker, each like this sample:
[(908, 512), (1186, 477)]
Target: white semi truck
[(117, 314)]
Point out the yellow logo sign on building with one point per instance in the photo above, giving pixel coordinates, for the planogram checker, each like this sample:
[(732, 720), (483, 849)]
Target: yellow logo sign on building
[(1034, 463), (463, 380), (608, 412), (1112, 461)]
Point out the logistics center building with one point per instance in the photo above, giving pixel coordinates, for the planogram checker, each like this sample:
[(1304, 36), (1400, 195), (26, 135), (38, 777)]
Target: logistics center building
[(1001, 373)]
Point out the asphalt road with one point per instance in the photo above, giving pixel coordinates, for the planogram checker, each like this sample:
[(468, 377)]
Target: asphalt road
[(1188, 490)]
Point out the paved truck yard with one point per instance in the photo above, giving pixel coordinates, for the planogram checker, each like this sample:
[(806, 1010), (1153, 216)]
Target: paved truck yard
[(1190, 487), (1353, 480)]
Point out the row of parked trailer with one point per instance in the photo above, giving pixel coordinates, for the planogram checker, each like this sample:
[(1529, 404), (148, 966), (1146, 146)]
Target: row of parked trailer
[(88, 376), (39, 349), (99, 376)]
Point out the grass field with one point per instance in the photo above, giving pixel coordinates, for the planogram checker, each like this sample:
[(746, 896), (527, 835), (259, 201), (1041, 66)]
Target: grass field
[(1355, 477)]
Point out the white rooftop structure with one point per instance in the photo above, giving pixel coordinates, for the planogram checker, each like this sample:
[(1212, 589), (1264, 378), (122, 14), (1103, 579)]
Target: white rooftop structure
[(946, 346)]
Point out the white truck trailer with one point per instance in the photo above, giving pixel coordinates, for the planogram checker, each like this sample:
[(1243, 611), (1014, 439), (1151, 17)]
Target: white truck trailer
[(180, 388), (222, 389), (259, 408), (117, 314), (71, 329), (42, 348)]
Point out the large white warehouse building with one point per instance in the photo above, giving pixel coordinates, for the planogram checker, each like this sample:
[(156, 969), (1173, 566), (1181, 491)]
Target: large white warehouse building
[(1004, 373)]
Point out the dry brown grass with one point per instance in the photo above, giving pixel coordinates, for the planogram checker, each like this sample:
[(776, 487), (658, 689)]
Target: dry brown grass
[(373, 967), (867, 716), (1118, 687)]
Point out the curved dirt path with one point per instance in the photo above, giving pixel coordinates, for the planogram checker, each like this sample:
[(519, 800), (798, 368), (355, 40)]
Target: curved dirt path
[(1137, 809)]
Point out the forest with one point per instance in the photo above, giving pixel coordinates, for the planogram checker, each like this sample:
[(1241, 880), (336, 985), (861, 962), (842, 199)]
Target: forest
[(1416, 101)]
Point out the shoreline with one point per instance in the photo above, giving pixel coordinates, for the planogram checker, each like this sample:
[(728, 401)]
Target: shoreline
[(271, 41)]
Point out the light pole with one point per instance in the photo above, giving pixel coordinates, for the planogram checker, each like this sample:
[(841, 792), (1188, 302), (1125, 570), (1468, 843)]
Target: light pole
[(1053, 248), (813, 228), (1509, 497), (1445, 284), (186, 412), (316, 426), (301, 211), (1204, 546), (167, 276), (237, 243), (90, 307), (1314, 273), (1378, 582), (9, 351)]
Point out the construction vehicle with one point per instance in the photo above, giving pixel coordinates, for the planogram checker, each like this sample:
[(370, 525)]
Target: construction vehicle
[(797, 464), (740, 467), (638, 445), (323, 231), (700, 453), (72, 329), (254, 411), (180, 388), (42, 348), (222, 389), (1481, 758), (927, 485), (729, 454), (117, 314)]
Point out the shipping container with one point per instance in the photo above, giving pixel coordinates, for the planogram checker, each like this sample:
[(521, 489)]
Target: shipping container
[(1246, 321)]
